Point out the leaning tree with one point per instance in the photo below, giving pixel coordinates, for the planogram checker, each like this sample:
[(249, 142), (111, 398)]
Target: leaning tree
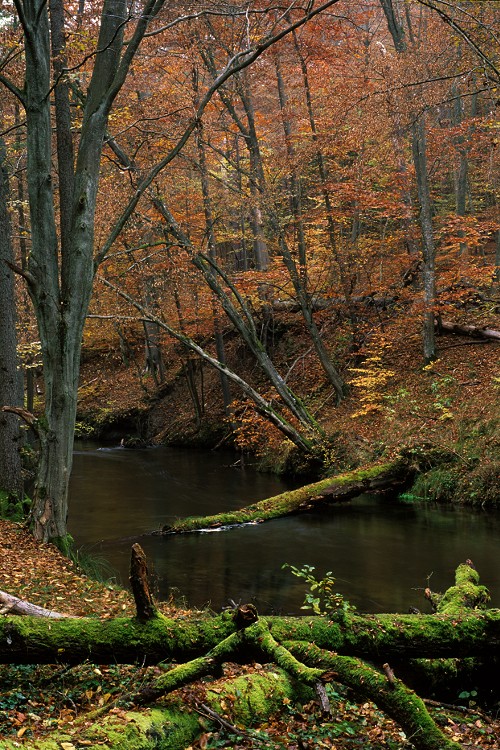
[(63, 191)]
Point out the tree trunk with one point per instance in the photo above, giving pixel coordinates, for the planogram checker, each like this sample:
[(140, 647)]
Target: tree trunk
[(419, 151), (209, 221), (393, 474), (10, 380), (419, 147), (295, 179), (306, 307), (60, 279)]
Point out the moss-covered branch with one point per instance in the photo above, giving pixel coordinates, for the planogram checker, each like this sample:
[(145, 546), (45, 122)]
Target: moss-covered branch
[(31, 640), (392, 696), (465, 595), (333, 489), (253, 698), (299, 648)]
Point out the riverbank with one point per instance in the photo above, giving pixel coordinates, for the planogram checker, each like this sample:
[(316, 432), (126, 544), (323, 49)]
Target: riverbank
[(40, 705), (453, 406)]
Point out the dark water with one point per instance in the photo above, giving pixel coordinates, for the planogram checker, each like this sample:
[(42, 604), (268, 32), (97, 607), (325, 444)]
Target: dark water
[(382, 553)]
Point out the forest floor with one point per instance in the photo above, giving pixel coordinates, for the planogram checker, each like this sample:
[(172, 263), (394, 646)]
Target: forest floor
[(452, 405), (36, 700)]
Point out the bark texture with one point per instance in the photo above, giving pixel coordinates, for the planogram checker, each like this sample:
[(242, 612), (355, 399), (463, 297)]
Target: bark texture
[(10, 384)]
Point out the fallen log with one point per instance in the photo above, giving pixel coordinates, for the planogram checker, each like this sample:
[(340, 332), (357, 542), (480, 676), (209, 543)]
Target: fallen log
[(398, 701), (443, 326), (392, 474), (30, 640), (305, 651), (11, 605), (317, 303)]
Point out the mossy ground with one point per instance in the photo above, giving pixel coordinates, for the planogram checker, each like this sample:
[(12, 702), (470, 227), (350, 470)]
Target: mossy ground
[(70, 708)]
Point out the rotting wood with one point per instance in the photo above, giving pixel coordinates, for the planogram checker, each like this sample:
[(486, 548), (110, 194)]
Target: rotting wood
[(443, 326), (145, 606)]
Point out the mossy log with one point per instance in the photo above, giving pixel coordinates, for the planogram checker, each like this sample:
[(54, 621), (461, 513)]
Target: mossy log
[(303, 651), (251, 699), (30, 640), (391, 695), (391, 474)]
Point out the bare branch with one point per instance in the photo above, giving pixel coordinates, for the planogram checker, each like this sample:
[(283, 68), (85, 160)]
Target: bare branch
[(465, 35), (238, 62)]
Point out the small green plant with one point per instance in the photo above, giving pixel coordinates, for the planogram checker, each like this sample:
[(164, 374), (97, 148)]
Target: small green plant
[(12, 507), (469, 696), (321, 598), (443, 390)]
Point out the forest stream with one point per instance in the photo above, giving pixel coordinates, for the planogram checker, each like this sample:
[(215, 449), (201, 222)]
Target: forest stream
[(382, 552)]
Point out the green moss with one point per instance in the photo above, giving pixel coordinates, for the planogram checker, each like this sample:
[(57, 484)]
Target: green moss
[(395, 699), (293, 501), (252, 699), (64, 544), (168, 728), (13, 507), (467, 594)]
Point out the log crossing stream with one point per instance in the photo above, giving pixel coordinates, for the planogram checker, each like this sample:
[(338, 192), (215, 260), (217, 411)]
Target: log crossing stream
[(383, 553)]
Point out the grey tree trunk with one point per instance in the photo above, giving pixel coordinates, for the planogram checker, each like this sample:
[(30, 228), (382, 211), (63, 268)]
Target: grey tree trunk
[(428, 248), (241, 317), (209, 221), (419, 151), (295, 179), (497, 256), (248, 131), (10, 379), (61, 277)]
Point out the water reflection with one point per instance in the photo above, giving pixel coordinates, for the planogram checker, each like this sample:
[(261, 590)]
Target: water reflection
[(382, 553)]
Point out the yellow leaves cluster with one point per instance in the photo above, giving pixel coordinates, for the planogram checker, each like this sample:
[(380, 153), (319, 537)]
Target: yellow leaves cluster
[(372, 377)]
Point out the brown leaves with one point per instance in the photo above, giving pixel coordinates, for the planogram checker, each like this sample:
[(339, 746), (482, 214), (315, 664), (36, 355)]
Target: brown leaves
[(40, 574)]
